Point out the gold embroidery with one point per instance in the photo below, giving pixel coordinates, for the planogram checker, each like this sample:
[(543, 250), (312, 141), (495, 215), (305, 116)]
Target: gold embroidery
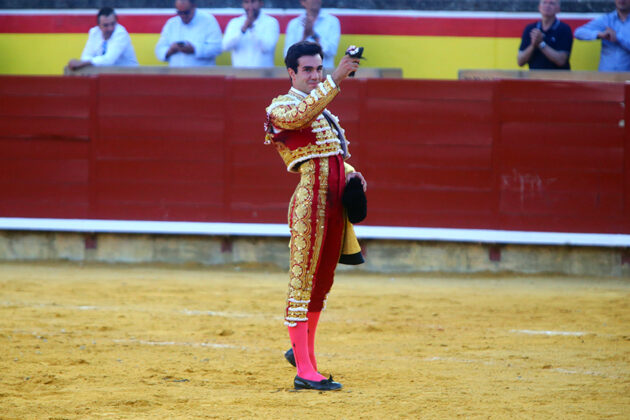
[(285, 114), (293, 112), (293, 157), (300, 227), (299, 222), (321, 216), (300, 212), (305, 246), (299, 258), (300, 242)]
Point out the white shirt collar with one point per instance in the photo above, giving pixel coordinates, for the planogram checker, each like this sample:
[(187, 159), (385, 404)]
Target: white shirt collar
[(298, 92)]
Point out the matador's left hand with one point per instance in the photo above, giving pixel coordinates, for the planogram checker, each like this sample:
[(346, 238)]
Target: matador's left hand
[(357, 175)]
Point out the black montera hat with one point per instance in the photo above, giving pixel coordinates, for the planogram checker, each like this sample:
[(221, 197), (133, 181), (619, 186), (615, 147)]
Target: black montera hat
[(355, 201)]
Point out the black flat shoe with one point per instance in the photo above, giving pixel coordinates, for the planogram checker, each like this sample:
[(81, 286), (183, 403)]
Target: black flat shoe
[(323, 385), (290, 357)]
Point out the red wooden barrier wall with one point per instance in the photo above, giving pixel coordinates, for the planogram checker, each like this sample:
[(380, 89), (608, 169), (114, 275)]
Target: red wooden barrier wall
[(516, 155)]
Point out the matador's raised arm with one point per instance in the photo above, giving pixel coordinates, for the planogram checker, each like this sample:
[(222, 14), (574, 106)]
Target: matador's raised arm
[(287, 114)]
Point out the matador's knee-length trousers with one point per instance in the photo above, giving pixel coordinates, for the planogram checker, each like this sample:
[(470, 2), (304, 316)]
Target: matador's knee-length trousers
[(316, 219)]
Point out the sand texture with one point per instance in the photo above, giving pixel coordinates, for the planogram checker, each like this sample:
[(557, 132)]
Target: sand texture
[(153, 342)]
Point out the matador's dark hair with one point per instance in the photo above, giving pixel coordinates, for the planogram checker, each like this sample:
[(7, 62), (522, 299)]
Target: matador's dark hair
[(105, 11), (300, 49)]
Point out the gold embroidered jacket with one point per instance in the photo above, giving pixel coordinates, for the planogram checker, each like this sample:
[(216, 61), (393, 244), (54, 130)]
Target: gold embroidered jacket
[(301, 128)]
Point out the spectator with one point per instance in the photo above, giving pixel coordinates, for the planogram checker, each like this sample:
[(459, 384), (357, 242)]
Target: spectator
[(614, 30), (192, 38), (108, 44), (252, 37), (546, 44), (315, 26)]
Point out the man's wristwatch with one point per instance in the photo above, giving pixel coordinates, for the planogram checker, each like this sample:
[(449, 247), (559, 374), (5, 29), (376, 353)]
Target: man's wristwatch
[(542, 45)]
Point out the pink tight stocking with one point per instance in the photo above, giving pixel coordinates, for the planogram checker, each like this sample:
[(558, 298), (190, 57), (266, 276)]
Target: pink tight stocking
[(313, 319), (302, 341)]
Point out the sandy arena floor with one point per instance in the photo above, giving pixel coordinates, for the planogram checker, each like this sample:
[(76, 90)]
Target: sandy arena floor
[(98, 341)]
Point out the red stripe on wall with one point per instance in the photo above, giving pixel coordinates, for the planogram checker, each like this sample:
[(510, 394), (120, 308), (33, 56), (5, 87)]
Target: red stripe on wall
[(356, 25)]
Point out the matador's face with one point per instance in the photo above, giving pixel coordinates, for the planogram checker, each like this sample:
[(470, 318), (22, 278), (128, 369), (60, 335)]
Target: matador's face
[(310, 72)]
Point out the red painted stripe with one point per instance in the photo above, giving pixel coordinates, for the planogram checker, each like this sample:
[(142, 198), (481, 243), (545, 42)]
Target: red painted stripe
[(356, 25)]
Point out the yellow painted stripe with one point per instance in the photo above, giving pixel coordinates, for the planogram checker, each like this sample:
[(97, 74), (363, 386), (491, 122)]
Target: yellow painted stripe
[(419, 57)]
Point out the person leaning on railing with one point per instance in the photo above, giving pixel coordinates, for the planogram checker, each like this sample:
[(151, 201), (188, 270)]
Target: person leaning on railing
[(614, 30), (108, 44)]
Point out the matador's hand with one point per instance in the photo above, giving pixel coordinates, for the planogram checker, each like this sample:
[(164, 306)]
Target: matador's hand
[(346, 66), (357, 175)]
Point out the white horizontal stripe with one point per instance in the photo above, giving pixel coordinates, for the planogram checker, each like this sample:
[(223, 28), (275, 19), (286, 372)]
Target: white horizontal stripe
[(311, 156), (492, 236), (175, 343), (320, 142), (282, 230), (532, 332), (282, 103), (297, 92), (215, 313), (331, 81), (143, 226), (298, 301)]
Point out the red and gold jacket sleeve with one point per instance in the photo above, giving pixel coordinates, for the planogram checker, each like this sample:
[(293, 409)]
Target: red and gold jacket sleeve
[(300, 127), (287, 114)]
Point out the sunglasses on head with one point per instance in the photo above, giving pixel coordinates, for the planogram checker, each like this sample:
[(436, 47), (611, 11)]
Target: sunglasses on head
[(183, 12)]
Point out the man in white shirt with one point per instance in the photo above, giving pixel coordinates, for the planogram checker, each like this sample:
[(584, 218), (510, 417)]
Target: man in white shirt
[(108, 44), (252, 37), (192, 38), (315, 26)]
